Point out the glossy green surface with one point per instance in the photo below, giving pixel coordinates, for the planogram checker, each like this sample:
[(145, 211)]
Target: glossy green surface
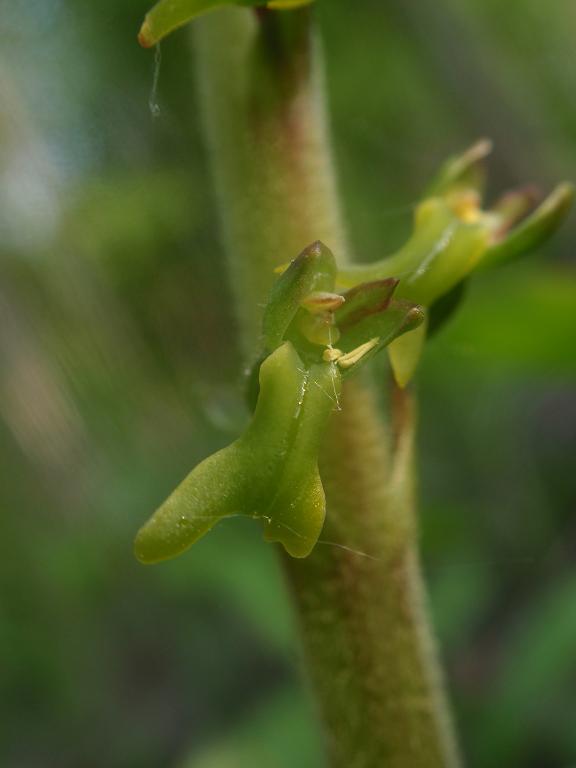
[(313, 270), (269, 474), (168, 15)]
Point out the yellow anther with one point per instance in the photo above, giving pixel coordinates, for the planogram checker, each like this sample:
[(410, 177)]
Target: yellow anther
[(351, 358), (466, 205)]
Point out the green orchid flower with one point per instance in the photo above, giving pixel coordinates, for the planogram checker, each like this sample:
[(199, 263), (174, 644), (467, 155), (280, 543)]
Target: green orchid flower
[(452, 237), (321, 325), (271, 472)]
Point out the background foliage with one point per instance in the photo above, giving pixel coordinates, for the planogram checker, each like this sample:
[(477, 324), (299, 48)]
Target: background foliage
[(119, 370)]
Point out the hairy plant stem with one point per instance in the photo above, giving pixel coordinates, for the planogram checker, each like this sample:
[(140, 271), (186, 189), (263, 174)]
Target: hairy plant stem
[(360, 598)]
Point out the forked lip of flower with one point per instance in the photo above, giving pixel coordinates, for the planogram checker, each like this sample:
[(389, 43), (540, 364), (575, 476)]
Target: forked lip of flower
[(270, 473)]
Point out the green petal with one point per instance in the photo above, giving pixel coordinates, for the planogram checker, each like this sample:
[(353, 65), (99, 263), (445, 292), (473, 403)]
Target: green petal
[(365, 300), (405, 354), (535, 229), (462, 171), (450, 259), (433, 218), (382, 327)]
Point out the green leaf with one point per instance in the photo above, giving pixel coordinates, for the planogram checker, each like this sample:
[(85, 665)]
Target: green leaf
[(270, 473), (168, 15)]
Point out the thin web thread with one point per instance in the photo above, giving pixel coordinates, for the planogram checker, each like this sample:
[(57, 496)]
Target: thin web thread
[(153, 104), (526, 560)]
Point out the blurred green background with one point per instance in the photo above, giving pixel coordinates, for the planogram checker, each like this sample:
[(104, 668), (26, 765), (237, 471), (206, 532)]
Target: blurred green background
[(119, 370)]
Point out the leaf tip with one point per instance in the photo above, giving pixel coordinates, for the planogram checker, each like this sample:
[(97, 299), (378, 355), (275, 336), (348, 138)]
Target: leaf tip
[(141, 548), (145, 36)]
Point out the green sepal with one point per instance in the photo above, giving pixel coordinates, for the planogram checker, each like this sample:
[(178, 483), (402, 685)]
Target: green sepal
[(535, 229), (314, 270), (450, 258), (369, 313), (512, 207), (364, 300), (401, 318), (168, 15), (441, 253), (270, 473), (463, 171)]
